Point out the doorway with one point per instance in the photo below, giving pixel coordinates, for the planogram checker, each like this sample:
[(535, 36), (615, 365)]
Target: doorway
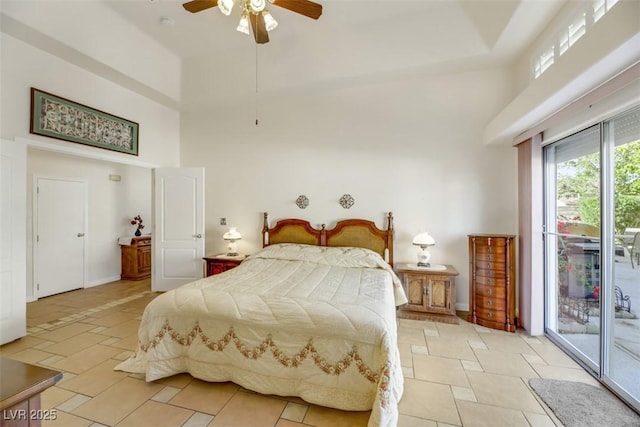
[(592, 201), (60, 218)]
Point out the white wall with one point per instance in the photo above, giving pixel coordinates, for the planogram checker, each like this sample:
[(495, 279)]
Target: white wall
[(24, 66), (111, 203), (91, 33), (411, 147), (609, 47)]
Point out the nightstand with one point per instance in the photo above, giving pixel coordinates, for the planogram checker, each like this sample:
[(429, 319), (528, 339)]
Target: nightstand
[(220, 263), (135, 257), (431, 293)]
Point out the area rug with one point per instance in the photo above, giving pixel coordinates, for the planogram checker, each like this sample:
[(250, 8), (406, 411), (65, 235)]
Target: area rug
[(578, 404)]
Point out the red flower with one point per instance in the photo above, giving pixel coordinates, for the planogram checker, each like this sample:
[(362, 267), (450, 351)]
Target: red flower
[(137, 220)]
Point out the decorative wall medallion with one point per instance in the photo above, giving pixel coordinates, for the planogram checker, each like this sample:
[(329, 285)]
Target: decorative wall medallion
[(302, 201), (346, 201)]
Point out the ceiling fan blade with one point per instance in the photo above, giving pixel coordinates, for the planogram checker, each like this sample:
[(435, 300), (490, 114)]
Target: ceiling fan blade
[(259, 28), (198, 5), (303, 7)]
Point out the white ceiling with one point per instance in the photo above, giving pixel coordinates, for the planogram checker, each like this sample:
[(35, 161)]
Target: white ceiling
[(414, 31), (353, 39), (354, 42)]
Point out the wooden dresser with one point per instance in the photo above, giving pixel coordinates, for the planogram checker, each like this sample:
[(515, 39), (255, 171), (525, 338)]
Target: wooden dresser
[(136, 259), (431, 293), (492, 293)]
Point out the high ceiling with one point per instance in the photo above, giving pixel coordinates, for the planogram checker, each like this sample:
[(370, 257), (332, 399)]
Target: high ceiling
[(370, 33), (353, 38), (354, 41)]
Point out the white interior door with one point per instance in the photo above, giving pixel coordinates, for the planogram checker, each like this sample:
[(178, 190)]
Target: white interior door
[(61, 207), (13, 264), (178, 237)]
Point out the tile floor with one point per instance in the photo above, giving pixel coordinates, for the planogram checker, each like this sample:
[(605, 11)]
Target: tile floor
[(455, 375)]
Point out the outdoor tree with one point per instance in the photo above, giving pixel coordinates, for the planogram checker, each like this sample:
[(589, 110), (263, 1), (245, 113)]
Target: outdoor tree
[(579, 179)]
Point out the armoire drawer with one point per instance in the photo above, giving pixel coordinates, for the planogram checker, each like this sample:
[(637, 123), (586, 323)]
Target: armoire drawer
[(490, 265), (491, 241), (491, 256), (491, 303), (491, 273), (490, 281), (498, 316), (490, 291)]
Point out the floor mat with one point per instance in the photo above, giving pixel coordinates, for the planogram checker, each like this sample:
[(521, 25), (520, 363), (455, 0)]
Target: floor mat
[(578, 404)]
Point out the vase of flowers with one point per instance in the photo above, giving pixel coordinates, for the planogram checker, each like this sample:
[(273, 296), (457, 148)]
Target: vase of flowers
[(137, 221)]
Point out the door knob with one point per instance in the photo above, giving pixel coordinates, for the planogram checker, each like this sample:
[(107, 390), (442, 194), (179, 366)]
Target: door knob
[(198, 236)]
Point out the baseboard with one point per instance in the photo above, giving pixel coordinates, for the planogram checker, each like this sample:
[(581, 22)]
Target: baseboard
[(102, 281)]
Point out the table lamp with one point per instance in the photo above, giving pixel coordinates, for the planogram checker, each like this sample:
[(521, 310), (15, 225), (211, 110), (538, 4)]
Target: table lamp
[(423, 240), (232, 236)]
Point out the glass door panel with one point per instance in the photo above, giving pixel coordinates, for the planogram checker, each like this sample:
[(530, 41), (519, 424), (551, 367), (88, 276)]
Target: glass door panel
[(573, 246), (623, 345)]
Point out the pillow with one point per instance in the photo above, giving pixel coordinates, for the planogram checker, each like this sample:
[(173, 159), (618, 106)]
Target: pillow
[(345, 256), (339, 256)]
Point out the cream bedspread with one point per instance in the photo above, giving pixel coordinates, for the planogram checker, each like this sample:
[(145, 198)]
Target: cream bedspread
[(292, 320)]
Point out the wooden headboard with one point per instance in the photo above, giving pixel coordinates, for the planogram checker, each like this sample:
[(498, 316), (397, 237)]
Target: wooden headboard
[(360, 233)]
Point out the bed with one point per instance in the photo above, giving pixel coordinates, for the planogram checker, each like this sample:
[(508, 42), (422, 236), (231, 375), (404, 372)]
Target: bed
[(310, 315)]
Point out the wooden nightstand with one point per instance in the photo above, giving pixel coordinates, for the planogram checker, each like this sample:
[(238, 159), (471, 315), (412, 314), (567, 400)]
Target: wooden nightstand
[(431, 293), (217, 264), (135, 258)]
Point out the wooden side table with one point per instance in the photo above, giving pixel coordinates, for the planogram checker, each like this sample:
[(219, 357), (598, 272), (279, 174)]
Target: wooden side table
[(136, 258), (431, 293), (220, 263), (20, 390)]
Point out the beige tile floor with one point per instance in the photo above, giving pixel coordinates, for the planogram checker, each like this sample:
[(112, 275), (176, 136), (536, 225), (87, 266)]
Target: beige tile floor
[(455, 375)]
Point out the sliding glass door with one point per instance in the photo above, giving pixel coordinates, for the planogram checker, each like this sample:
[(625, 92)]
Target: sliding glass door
[(573, 235), (592, 217), (623, 343)]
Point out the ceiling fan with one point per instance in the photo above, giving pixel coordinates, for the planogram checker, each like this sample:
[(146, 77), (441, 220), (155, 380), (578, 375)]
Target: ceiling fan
[(255, 12)]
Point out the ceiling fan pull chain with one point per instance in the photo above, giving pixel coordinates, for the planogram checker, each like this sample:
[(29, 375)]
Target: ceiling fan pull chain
[(256, 103)]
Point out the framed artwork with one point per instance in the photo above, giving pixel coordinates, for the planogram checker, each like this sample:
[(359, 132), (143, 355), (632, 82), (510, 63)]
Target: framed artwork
[(60, 118)]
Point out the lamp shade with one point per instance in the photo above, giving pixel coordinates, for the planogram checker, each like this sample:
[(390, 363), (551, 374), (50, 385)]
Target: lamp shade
[(232, 234), (424, 239)]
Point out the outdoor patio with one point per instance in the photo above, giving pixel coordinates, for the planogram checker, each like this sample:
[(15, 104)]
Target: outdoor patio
[(585, 335)]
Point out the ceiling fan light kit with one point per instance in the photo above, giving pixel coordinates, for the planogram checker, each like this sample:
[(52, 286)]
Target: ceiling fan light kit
[(255, 12), (243, 26), (225, 6), (269, 21)]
